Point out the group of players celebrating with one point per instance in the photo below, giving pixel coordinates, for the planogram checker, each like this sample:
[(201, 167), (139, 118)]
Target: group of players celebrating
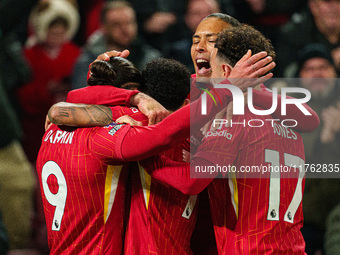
[(112, 183)]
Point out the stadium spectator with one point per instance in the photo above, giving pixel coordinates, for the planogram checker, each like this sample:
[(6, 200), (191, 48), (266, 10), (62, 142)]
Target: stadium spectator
[(118, 31), (320, 23), (266, 15), (316, 68), (159, 21), (51, 56)]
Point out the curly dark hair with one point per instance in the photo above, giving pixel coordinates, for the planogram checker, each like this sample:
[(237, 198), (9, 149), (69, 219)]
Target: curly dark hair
[(234, 42), (116, 72), (167, 81)]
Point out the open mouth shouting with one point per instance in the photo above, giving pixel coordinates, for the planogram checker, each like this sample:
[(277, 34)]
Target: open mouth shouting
[(203, 67)]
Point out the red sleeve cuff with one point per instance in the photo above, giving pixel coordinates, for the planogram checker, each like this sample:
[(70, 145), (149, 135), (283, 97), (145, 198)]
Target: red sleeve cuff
[(128, 98)]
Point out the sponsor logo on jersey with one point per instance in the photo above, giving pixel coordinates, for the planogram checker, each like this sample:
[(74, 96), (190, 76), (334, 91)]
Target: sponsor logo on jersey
[(222, 133)]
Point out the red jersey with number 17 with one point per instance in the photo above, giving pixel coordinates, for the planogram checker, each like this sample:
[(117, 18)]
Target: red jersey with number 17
[(257, 208)]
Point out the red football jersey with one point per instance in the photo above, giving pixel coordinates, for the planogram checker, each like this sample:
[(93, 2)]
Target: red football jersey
[(162, 218), (83, 190), (254, 210)]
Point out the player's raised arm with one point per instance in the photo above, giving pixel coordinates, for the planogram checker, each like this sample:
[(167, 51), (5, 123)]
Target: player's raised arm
[(80, 115)]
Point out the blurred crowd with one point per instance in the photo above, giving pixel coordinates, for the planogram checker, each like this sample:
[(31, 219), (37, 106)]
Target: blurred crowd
[(46, 47)]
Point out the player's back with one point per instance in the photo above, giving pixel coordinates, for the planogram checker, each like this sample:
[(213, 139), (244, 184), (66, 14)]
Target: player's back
[(258, 209), (83, 196), (162, 219)]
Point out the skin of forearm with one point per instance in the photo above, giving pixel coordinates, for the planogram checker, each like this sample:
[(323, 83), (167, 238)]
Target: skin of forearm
[(80, 115)]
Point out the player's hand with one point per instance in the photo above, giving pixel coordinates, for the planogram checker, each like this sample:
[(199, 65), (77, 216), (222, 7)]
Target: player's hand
[(48, 123), (251, 70), (186, 156), (126, 119), (113, 53), (149, 107)]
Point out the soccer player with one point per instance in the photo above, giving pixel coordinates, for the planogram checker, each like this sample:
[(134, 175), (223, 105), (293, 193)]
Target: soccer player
[(161, 219), (256, 212), (82, 186)]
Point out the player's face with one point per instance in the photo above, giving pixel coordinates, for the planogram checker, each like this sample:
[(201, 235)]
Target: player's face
[(203, 42)]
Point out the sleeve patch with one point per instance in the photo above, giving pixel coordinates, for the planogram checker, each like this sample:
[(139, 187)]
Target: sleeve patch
[(115, 128)]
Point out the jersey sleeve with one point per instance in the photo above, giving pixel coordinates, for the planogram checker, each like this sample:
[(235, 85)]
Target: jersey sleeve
[(305, 123), (103, 95), (173, 129), (217, 150), (177, 174), (133, 143)]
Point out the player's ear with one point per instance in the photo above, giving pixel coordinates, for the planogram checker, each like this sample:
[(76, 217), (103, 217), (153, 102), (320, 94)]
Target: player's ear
[(226, 70)]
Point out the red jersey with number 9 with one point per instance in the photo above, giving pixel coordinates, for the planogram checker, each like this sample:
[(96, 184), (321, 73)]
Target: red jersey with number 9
[(83, 189)]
